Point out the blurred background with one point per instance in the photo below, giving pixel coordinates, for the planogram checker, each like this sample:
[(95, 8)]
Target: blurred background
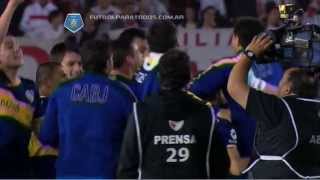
[(204, 32)]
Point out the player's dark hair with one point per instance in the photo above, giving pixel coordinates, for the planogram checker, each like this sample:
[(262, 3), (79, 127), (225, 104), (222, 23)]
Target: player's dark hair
[(58, 51), (174, 70), (45, 71), (95, 55), (304, 83), (120, 50), (162, 36), (246, 28), (131, 33)]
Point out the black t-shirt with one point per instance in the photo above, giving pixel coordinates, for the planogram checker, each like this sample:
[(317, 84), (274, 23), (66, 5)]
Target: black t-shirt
[(277, 134), (273, 120), (273, 137)]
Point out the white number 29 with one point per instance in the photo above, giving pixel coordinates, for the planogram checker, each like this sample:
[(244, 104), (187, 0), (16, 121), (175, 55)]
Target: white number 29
[(182, 155)]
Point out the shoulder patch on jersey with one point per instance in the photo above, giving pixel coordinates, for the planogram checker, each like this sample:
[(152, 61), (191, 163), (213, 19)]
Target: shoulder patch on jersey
[(30, 95), (150, 63)]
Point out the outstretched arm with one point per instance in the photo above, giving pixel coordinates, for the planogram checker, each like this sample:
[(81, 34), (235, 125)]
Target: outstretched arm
[(237, 85), (6, 17)]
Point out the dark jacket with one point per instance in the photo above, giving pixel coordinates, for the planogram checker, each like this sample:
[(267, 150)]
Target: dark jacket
[(171, 135)]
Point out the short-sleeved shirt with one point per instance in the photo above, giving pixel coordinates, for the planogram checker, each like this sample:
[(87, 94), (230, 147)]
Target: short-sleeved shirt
[(272, 118), (288, 128)]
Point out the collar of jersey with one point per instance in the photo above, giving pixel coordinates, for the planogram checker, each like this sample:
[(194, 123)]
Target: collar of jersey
[(94, 74), (121, 78)]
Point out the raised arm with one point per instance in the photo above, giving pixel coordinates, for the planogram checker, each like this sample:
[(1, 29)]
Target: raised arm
[(6, 17), (237, 84)]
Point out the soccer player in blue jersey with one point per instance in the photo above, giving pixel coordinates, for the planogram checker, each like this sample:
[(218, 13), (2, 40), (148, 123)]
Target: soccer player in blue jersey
[(162, 37), (86, 118), (215, 79), (19, 104)]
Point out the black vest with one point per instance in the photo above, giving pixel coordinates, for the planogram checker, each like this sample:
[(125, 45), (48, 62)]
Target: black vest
[(175, 136), (298, 152)]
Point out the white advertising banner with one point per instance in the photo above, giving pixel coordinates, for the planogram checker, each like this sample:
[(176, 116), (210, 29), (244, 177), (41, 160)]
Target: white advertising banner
[(204, 46)]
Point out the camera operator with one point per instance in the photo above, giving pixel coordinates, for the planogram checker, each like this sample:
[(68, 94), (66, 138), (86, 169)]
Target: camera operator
[(171, 133), (288, 127)]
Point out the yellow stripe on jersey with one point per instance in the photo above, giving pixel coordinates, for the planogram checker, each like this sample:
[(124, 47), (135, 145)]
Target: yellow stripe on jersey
[(15, 109), (219, 64), (37, 149), (199, 99)]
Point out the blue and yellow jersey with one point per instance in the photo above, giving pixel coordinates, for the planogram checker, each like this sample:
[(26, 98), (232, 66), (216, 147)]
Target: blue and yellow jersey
[(211, 82), (148, 77), (19, 106), (35, 146)]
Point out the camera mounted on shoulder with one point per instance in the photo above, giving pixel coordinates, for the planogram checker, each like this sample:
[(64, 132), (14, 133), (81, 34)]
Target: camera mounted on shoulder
[(295, 44)]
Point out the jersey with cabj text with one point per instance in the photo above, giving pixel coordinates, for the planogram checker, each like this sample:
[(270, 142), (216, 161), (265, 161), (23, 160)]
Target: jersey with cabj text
[(86, 118)]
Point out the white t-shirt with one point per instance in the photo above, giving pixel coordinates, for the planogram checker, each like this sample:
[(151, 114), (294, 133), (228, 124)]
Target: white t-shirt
[(46, 32), (35, 16)]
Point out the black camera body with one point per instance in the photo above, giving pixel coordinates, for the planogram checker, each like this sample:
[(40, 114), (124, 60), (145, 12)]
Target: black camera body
[(294, 44)]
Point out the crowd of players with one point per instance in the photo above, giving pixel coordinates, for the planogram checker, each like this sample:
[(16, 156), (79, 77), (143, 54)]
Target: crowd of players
[(130, 109)]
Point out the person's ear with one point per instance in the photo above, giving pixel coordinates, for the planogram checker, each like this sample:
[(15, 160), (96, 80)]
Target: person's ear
[(288, 88)]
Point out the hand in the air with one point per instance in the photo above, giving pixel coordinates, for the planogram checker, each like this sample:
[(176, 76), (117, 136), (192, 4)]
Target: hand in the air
[(260, 44)]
